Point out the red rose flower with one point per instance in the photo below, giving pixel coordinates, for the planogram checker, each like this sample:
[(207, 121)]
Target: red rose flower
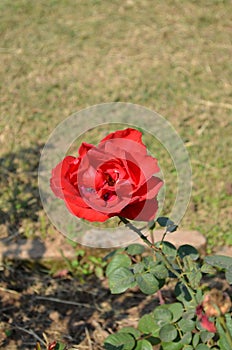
[(114, 178)]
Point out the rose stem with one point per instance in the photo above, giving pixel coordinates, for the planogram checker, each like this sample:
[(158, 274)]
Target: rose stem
[(159, 250)]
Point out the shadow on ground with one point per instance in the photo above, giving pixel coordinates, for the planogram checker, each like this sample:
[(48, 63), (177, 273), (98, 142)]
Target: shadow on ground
[(64, 309), (19, 189)]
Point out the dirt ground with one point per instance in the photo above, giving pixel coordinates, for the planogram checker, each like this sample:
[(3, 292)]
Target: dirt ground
[(35, 306)]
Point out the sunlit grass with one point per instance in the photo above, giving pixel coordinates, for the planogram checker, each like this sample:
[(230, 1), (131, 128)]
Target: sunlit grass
[(172, 57)]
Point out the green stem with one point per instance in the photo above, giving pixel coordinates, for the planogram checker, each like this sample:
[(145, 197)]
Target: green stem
[(164, 235), (152, 237), (159, 250), (136, 230), (227, 333)]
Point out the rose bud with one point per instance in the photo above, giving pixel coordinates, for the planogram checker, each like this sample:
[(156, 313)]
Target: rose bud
[(216, 303), (204, 321), (207, 324)]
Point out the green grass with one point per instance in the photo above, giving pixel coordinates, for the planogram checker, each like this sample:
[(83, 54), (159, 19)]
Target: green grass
[(60, 56)]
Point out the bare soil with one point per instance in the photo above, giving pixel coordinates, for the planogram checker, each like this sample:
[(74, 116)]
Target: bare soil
[(35, 306)]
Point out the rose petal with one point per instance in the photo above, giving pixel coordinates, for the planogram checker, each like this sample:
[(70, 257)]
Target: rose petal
[(148, 190), (58, 175), (87, 213), (60, 182), (146, 164), (84, 148), (129, 133), (141, 211)]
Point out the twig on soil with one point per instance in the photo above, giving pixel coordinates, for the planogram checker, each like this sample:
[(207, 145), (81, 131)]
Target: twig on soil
[(55, 300), (7, 308), (31, 332), (88, 338), (9, 290)]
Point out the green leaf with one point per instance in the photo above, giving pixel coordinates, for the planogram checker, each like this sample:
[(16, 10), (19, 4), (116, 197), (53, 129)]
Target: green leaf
[(163, 220), (8, 332), (196, 339), (148, 325), (186, 325), (190, 313), (138, 268), (99, 271), (229, 322), (168, 333), (119, 341), (113, 253), (168, 249), (74, 263), (120, 280), (199, 296), (94, 260), (154, 267), (194, 278), (172, 228), (80, 252), (206, 268), (228, 274), (153, 340), (162, 315), (130, 330), (143, 345), (135, 249), (119, 260), (159, 270), (187, 250), (223, 342), (189, 264), (205, 336), (148, 261), (172, 346), (202, 347), (220, 261), (188, 347), (187, 338), (60, 346), (176, 310), (147, 283), (182, 293)]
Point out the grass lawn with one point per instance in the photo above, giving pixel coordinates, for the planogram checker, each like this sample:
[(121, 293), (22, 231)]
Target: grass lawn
[(60, 56)]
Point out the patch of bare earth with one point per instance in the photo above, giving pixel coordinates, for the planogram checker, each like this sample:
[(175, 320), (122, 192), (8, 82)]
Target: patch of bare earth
[(35, 306)]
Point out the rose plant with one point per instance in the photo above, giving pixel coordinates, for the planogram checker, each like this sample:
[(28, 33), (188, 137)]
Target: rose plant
[(198, 318), (116, 178)]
